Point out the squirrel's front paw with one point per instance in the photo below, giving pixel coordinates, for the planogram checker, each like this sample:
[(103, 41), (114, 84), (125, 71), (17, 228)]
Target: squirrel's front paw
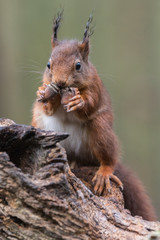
[(40, 93), (46, 92), (102, 180), (72, 100)]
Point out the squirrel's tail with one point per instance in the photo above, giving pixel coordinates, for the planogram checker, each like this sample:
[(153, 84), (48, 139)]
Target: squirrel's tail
[(135, 196)]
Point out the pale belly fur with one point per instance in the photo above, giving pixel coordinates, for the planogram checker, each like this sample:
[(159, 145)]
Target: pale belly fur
[(76, 144)]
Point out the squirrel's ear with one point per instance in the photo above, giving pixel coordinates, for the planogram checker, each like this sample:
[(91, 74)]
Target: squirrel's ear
[(84, 46), (56, 23), (54, 42), (84, 49)]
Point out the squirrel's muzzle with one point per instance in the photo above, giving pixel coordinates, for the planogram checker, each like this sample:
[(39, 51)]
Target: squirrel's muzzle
[(61, 85)]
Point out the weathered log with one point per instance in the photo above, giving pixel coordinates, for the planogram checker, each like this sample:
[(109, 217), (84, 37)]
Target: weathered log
[(40, 198)]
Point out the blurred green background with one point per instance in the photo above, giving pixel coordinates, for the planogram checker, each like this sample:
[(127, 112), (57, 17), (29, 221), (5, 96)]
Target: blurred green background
[(125, 50)]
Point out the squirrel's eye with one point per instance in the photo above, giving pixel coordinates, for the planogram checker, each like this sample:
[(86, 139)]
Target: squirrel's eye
[(48, 65), (78, 66)]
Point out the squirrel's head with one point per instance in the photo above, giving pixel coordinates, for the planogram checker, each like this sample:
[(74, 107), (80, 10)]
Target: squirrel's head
[(68, 65)]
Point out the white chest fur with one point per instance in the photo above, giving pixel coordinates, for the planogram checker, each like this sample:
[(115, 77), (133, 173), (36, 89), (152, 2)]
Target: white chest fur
[(62, 121)]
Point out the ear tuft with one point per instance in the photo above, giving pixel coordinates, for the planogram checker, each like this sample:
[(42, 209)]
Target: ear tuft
[(56, 24), (84, 49), (84, 46), (88, 31)]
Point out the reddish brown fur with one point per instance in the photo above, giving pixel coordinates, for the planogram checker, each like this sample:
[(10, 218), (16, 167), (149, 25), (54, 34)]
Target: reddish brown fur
[(91, 108), (96, 111)]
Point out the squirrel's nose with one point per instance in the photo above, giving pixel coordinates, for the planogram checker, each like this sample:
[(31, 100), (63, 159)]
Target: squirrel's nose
[(61, 84)]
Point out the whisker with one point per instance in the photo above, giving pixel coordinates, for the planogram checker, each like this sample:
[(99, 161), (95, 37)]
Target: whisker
[(37, 72), (34, 61), (30, 71), (29, 67), (36, 84)]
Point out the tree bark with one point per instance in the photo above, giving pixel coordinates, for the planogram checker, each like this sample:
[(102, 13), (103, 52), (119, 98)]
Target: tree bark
[(40, 198)]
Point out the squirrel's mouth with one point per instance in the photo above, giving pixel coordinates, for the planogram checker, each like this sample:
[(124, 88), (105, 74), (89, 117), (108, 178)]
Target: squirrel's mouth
[(61, 85)]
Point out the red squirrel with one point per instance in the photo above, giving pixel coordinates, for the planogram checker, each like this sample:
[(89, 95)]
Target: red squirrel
[(73, 99)]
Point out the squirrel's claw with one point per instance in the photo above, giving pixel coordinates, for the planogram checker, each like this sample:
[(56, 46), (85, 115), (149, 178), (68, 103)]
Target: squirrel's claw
[(77, 97), (100, 184), (40, 95), (76, 107), (75, 103), (46, 92), (102, 180), (117, 180)]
